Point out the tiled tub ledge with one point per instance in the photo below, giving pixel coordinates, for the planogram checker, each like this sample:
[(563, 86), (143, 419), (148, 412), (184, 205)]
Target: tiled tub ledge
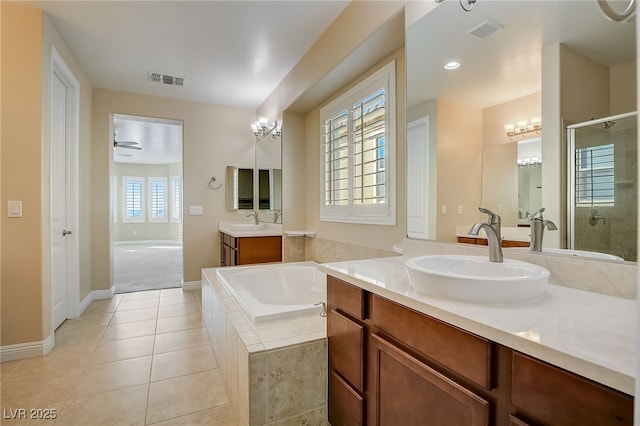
[(275, 372)]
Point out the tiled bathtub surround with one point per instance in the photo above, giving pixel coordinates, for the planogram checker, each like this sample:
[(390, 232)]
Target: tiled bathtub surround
[(319, 250), (275, 373)]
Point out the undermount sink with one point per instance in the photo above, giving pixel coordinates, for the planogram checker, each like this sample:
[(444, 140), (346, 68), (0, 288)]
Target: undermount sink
[(247, 226), (476, 279)]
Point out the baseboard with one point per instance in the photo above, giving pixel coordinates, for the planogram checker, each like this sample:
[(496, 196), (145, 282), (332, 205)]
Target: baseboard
[(26, 350), (191, 285), (95, 295)]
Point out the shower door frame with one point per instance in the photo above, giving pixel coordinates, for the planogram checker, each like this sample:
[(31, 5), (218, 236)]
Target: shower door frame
[(571, 169)]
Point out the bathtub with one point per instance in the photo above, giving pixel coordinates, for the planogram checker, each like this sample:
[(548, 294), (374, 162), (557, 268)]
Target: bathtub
[(273, 292)]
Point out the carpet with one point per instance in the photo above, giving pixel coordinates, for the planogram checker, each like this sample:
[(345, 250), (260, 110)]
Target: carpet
[(146, 265)]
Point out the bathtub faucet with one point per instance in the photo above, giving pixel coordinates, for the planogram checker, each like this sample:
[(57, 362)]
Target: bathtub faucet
[(323, 309)]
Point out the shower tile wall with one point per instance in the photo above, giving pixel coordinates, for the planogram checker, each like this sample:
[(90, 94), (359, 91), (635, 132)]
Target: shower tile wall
[(617, 235)]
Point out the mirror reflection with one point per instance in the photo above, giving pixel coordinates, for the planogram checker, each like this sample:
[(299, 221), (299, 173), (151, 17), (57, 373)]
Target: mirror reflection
[(239, 188), (519, 81), (269, 179)]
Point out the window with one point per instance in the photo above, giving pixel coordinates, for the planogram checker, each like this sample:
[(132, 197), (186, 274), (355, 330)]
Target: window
[(133, 193), (158, 199), (357, 153), (595, 176), (176, 199)]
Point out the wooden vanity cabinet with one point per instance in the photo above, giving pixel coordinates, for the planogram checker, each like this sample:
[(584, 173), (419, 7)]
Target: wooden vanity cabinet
[(390, 365), (248, 250)]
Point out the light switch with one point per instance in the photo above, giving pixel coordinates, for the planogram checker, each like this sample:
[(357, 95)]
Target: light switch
[(444, 209), (460, 209), (195, 210), (14, 208)]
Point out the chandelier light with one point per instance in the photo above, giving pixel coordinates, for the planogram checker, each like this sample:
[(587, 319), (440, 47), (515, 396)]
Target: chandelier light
[(523, 127), (263, 128)]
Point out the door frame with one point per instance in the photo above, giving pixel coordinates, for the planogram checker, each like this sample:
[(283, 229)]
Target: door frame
[(60, 70)]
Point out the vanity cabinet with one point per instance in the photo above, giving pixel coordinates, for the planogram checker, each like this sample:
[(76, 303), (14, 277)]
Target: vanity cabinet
[(248, 250), (484, 242), (391, 365)]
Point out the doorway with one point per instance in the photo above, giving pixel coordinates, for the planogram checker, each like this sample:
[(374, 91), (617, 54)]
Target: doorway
[(146, 203)]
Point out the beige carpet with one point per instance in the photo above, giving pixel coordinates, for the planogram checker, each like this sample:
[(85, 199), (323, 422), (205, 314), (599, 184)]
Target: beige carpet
[(146, 265)]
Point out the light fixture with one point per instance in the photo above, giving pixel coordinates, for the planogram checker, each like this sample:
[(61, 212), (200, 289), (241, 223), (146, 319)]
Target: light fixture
[(452, 65), (523, 127), (263, 127)]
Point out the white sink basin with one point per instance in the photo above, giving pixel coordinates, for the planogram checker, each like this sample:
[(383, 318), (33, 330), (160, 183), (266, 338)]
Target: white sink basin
[(247, 226), (475, 279)]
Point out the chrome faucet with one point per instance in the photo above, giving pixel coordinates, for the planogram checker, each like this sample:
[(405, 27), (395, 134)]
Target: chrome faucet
[(255, 217), (492, 229), (538, 224)]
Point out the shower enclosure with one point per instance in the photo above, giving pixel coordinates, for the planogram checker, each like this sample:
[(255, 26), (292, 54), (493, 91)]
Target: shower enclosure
[(602, 209)]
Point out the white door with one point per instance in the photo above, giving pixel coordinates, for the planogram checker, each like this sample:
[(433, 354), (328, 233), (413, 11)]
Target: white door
[(59, 201), (418, 179)]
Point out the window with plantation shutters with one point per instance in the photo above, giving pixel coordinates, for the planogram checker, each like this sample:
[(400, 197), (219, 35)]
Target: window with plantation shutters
[(176, 199), (595, 176), (132, 203), (357, 152), (158, 199)]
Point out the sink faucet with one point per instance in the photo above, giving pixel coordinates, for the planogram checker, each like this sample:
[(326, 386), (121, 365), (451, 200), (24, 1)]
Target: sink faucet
[(276, 215), (538, 224), (255, 217), (492, 229)]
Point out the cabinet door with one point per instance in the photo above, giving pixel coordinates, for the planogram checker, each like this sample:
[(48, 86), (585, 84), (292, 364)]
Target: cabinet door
[(345, 405), (408, 392)]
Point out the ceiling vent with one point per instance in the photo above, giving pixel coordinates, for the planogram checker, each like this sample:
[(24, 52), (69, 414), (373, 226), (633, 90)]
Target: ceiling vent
[(486, 28), (166, 79)]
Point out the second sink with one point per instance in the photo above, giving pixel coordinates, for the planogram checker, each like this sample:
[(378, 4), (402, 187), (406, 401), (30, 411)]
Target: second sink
[(476, 279)]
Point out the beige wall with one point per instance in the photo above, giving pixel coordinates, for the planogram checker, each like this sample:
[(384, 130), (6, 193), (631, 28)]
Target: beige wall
[(459, 174), (27, 38), (495, 117), (623, 88), (213, 137), (21, 132)]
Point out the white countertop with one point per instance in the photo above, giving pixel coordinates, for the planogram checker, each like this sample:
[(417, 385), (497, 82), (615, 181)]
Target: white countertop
[(268, 229), (590, 334)]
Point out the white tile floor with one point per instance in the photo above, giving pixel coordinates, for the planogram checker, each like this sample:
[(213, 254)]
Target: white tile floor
[(139, 359)]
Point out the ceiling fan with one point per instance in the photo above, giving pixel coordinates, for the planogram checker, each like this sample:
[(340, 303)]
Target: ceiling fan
[(125, 144)]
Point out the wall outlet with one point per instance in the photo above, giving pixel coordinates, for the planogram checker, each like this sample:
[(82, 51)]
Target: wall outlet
[(460, 209), (444, 209)]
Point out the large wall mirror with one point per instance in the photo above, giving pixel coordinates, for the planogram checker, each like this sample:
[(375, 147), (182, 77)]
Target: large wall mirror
[(476, 127), (269, 179)]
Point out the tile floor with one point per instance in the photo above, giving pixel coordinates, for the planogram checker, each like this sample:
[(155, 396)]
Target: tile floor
[(139, 359)]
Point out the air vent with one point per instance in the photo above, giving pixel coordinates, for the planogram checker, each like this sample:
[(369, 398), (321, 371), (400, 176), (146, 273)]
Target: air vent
[(485, 29), (166, 79)]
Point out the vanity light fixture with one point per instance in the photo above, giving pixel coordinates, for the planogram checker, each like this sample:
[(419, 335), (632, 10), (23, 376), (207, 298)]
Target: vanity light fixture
[(452, 65), (523, 127), (264, 127)]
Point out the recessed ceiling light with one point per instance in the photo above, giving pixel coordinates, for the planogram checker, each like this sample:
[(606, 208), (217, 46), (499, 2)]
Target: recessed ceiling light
[(451, 65)]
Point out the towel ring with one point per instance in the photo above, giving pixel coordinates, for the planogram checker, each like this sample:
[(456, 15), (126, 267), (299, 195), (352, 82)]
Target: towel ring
[(212, 181)]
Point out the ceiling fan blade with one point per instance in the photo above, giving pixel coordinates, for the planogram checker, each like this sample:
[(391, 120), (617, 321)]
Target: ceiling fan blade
[(128, 146)]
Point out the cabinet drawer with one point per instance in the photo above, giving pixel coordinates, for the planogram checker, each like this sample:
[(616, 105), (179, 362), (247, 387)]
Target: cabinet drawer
[(559, 397), (346, 340), (345, 405), (456, 349), (408, 392), (345, 297)]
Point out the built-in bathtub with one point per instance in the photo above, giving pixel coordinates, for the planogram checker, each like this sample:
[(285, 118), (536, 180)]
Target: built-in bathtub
[(269, 340), (275, 292)]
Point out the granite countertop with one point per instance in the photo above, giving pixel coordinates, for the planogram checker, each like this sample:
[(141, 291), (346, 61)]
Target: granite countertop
[(244, 229), (590, 334)]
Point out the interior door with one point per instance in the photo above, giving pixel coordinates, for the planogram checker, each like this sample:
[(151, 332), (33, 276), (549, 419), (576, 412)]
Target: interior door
[(59, 201)]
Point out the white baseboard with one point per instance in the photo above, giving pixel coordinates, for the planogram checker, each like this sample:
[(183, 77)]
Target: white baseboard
[(95, 295), (191, 285), (26, 350)]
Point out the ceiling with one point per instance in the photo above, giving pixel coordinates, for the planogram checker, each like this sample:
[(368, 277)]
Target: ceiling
[(507, 64), (231, 53)]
